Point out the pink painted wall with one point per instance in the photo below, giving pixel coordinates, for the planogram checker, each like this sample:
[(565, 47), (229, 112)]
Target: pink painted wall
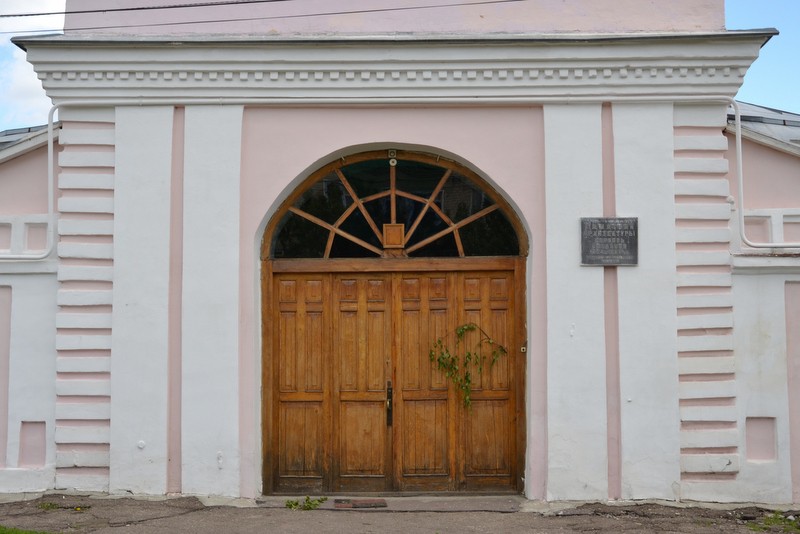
[(771, 177), (32, 444), (280, 146), (23, 184), (391, 17)]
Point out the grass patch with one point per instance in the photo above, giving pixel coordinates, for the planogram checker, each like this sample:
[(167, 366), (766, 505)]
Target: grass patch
[(55, 506), (776, 522), (9, 530), (307, 504)]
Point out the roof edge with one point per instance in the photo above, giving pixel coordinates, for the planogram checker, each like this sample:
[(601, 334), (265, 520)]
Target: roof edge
[(765, 140), (29, 143), (215, 39)]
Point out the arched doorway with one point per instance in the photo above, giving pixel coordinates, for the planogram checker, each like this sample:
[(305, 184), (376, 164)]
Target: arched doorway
[(370, 261)]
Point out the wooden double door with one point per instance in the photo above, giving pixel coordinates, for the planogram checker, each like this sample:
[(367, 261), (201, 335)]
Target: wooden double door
[(355, 404)]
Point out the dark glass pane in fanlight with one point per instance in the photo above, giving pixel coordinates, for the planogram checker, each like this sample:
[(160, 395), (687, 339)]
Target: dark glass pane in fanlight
[(380, 211), (357, 225), (431, 224), (460, 198), (299, 238), (417, 178), (344, 248), (491, 235), (326, 199), (407, 211), (368, 177), (445, 246)]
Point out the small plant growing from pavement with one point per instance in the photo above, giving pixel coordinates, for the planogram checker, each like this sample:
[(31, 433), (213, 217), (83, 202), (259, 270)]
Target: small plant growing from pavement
[(54, 506), (776, 522), (307, 504)]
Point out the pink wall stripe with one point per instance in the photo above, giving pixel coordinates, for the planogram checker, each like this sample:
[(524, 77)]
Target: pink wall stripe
[(174, 367), (5, 359), (537, 434), (32, 444), (792, 296), (611, 300)]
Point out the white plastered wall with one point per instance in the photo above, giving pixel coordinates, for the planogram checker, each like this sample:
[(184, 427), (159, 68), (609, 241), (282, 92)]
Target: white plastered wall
[(210, 317), (32, 372), (760, 340), (139, 366), (209, 308), (650, 420), (576, 365)]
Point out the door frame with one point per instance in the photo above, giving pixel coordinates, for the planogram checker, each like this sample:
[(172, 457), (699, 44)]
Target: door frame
[(517, 264)]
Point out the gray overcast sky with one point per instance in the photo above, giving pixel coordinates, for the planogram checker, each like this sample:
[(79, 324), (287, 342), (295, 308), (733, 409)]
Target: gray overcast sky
[(772, 81)]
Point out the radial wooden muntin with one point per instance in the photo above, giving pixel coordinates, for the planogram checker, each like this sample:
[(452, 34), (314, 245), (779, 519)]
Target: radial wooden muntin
[(379, 248)]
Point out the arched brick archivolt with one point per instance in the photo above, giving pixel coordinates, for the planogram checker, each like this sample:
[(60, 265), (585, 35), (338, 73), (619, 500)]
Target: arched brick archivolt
[(373, 258)]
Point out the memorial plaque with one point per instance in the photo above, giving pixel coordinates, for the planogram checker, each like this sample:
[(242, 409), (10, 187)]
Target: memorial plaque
[(609, 240)]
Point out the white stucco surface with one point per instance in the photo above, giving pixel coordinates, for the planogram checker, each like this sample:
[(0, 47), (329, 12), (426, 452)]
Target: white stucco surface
[(210, 329), (759, 311), (139, 374), (32, 371), (576, 408), (647, 326)]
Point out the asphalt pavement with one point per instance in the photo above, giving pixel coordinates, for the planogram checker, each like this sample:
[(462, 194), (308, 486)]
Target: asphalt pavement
[(101, 513)]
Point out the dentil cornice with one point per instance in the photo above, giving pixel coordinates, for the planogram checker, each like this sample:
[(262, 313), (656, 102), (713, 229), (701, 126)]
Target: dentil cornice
[(414, 71)]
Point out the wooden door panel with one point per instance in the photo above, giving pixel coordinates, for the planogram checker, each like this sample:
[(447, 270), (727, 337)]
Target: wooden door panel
[(362, 448), (425, 435), (487, 439), (301, 433), (301, 440), (338, 339), (488, 445), (378, 348), (346, 341), (500, 317), (425, 443), (410, 321), (440, 305), (499, 374), (361, 352), (300, 328)]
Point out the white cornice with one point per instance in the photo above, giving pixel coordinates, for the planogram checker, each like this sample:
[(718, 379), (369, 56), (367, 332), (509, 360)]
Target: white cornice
[(415, 71), (28, 267), (766, 264)]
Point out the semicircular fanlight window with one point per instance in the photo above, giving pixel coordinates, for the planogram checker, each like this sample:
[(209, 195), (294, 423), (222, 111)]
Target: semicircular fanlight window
[(403, 206)]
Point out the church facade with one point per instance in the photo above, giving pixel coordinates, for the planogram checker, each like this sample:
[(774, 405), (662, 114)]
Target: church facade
[(264, 225)]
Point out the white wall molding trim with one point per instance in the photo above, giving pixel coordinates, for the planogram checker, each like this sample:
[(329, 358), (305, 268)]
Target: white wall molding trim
[(432, 71), (83, 330), (709, 400), (766, 264)]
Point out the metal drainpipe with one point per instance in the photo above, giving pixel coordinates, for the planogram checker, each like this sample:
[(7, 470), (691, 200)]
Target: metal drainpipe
[(371, 101)]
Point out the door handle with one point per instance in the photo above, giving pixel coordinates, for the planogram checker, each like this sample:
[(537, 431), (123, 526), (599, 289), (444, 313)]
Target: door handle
[(389, 403)]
